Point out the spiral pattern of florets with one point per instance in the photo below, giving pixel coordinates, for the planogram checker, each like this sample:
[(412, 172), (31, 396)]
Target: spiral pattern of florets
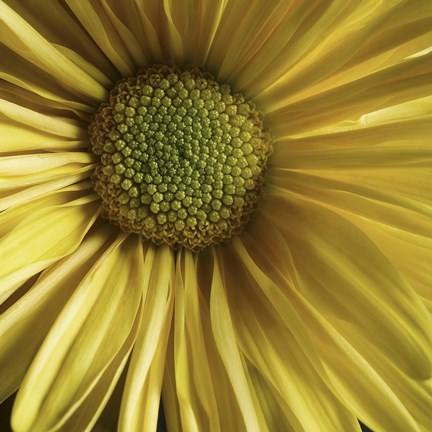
[(182, 159)]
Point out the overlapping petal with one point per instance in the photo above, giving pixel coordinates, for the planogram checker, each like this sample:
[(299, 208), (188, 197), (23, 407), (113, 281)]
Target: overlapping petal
[(95, 330)]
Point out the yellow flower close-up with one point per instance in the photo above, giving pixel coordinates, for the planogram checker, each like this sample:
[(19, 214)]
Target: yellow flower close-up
[(216, 215)]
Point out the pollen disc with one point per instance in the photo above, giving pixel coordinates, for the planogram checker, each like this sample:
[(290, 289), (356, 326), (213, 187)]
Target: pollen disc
[(182, 159)]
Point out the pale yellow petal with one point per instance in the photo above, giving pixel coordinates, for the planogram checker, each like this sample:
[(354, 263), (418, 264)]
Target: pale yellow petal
[(149, 16), (32, 81), (54, 22), (353, 380), (94, 327), (195, 388), (33, 164), (403, 82), (17, 137), (39, 238), (410, 252), (21, 328), (94, 19), (232, 357), (75, 174), (346, 41), (182, 383), (140, 403), (63, 127), (123, 16), (20, 173), (190, 27), (22, 38), (339, 266), (273, 350)]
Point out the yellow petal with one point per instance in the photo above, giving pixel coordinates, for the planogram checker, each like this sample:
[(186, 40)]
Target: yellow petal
[(140, 403), (409, 252), (190, 28), (84, 341), (399, 198), (13, 198), (33, 164), (367, 36), (195, 389), (22, 172), (41, 237), (20, 37), (29, 80), (392, 86), (19, 138), (148, 16), (55, 23), (232, 357), (53, 125), (98, 25), (272, 348), (189, 392), (123, 17), (340, 267), (347, 373), (21, 328)]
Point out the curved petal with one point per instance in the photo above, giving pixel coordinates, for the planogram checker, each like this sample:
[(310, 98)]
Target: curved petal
[(197, 391), (36, 85), (190, 27), (25, 40), (231, 355), (364, 389), (94, 18), (409, 252), (395, 85), (339, 267), (35, 237), (272, 348), (367, 36), (194, 385), (17, 172), (63, 127), (19, 137), (84, 341), (21, 328), (141, 397)]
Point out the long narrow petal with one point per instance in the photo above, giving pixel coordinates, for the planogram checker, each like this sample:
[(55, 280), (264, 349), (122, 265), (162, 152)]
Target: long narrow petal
[(195, 388), (367, 37), (63, 127), (85, 339), (232, 357), (403, 82), (41, 236), (197, 398), (19, 137), (347, 372), (20, 172), (272, 348), (21, 195), (19, 36), (343, 267), (94, 19), (21, 328), (140, 403)]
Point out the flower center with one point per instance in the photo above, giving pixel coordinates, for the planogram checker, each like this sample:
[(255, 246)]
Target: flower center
[(182, 160)]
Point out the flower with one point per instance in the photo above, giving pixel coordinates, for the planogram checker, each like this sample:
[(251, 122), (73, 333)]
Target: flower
[(315, 315)]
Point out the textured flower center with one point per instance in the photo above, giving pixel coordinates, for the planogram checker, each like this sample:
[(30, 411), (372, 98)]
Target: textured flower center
[(181, 158)]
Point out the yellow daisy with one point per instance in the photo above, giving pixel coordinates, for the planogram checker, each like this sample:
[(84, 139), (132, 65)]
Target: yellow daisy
[(225, 204)]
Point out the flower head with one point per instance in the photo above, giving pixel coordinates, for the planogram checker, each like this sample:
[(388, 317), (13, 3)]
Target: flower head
[(224, 204)]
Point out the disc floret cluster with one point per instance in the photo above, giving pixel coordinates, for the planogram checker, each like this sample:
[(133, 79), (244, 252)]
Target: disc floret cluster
[(182, 159)]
